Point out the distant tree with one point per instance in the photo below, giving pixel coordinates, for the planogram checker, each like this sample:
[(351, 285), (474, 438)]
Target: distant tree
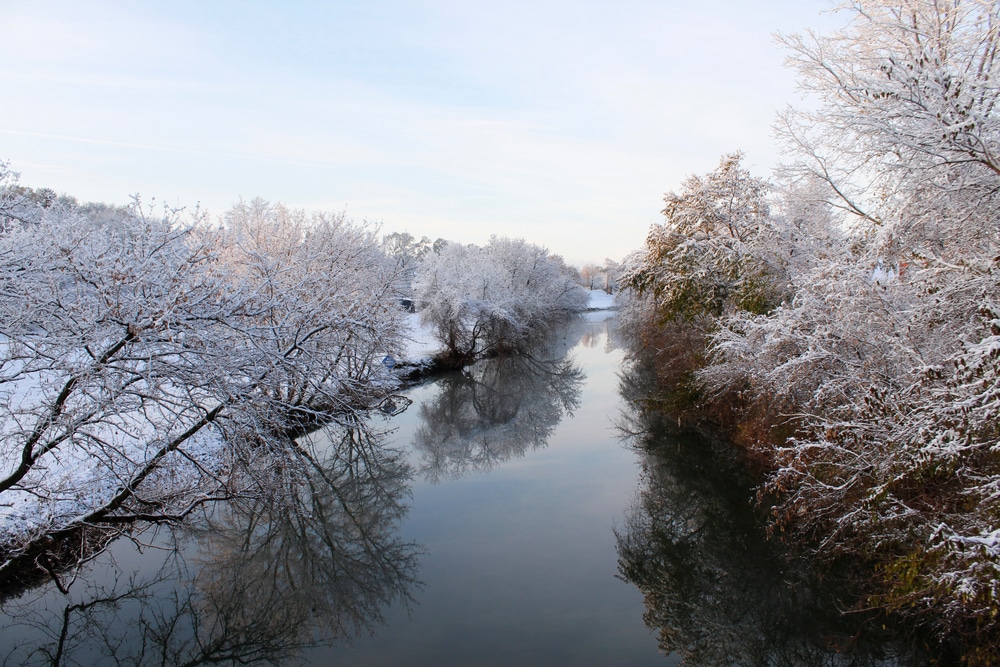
[(17, 206), (407, 253), (405, 249), (591, 276), (612, 274), (494, 298)]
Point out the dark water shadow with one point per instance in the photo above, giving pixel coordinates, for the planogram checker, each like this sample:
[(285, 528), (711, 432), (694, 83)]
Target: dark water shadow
[(305, 553), (716, 591)]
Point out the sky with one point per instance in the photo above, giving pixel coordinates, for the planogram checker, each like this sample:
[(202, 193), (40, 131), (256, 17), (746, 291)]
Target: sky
[(563, 122)]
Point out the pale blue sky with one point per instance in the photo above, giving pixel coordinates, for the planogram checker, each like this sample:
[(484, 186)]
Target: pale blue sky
[(562, 122)]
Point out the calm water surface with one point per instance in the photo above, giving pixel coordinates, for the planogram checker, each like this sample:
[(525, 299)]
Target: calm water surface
[(520, 482), (499, 520)]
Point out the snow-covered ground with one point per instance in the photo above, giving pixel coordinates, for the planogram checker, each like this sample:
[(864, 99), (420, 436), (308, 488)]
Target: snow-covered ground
[(601, 300), (600, 306), (420, 342)]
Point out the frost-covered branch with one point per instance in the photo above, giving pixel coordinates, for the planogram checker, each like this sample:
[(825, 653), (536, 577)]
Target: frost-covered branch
[(138, 350)]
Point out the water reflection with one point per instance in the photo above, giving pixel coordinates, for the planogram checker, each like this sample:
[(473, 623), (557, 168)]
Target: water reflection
[(306, 553), (715, 591), (496, 410)]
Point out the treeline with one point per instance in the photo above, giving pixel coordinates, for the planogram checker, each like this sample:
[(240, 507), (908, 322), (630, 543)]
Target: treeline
[(843, 321)]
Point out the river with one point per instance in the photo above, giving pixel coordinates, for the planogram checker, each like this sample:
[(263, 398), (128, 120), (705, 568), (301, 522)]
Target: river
[(501, 519)]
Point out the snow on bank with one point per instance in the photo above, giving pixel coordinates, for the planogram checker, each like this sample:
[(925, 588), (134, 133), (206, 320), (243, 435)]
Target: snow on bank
[(420, 342), (600, 306), (601, 300)]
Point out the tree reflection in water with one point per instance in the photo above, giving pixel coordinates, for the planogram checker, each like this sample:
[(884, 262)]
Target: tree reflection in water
[(305, 553), (495, 410), (716, 591)]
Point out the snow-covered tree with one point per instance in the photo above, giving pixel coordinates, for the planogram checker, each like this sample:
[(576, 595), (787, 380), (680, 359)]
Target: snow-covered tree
[(494, 298), (712, 252), (878, 376), (591, 276), (324, 299), (17, 205), (612, 274), (866, 376), (906, 131), (407, 252), (140, 352)]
